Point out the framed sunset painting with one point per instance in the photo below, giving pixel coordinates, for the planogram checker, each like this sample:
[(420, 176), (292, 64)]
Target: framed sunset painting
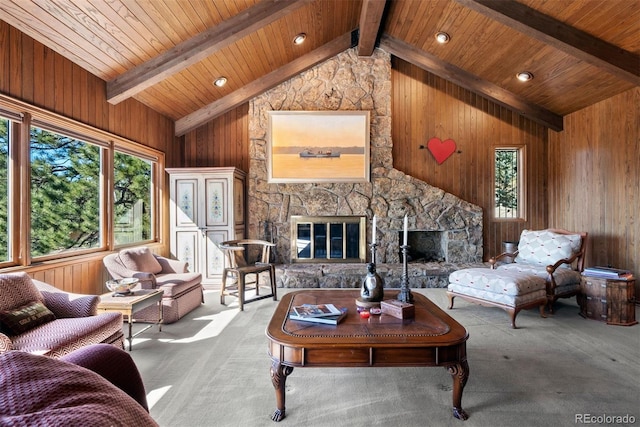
[(318, 146)]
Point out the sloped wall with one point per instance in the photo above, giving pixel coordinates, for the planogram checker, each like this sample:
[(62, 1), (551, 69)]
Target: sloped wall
[(349, 82)]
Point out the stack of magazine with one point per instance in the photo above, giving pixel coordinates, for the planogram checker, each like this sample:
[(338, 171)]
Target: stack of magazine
[(318, 313), (608, 273)]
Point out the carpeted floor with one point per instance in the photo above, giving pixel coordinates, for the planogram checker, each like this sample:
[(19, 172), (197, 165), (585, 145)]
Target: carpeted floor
[(211, 369)]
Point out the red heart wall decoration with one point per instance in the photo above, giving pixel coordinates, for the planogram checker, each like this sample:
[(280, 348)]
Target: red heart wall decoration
[(441, 150)]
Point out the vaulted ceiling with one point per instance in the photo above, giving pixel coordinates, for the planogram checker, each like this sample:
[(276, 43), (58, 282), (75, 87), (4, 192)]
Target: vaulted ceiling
[(167, 53)]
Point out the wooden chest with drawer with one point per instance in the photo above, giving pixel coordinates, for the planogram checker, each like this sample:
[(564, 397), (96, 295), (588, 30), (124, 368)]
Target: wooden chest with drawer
[(608, 300)]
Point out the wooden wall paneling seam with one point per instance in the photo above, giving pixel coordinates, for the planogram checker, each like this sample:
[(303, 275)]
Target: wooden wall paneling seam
[(42, 65), (5, 56), (220, 146), (69, 88), (15, 62), (77, 92), (229, 146)]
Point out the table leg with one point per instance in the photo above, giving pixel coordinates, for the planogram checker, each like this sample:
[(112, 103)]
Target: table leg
[(279, 373), (130, 320), (459, 373), (160, 314)]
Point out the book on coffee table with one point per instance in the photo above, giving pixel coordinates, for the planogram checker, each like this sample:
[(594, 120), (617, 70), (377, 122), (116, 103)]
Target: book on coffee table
[(327, 320), (316, 310)]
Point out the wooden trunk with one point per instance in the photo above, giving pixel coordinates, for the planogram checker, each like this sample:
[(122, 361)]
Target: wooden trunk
[(608, 300), (621, 307), (593, 302)]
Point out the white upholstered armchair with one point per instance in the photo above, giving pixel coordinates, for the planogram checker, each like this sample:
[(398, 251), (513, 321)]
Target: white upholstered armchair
[(546, 266)]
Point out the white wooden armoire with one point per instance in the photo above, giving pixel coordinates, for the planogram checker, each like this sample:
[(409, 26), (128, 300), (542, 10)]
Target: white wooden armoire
[(207, 206)]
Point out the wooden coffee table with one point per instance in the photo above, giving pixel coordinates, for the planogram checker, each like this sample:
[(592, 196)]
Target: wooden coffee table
[(129, 304), (431, 338)]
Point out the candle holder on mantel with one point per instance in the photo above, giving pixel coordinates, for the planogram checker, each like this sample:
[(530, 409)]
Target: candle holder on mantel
[(373, 245), (405, 293)]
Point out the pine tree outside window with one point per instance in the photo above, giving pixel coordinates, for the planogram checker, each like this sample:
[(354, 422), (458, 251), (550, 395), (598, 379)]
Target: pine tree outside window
[(65, 193), (509, 200), (132, 199)]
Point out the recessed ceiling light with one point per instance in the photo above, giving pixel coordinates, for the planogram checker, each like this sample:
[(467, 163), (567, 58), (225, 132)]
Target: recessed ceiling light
[(300, 38), (220, 81), (442, 37), (524, 76)]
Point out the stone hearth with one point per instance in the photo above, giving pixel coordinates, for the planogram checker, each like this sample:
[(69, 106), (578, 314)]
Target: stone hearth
[(421, 275), (349, 82)]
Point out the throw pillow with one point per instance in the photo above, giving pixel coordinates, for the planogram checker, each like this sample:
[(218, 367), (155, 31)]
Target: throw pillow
[(546, 247), (17, 289), (19, 320), (140, 259)]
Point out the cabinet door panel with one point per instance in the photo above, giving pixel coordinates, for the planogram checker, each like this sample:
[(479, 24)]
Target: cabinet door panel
[(187, 248), (214, 258), (238, 201), (217, 202), (186, 202)]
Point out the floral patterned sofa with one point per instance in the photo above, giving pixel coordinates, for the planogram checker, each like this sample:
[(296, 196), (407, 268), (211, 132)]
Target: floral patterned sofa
[(38, 318), (546, 266)]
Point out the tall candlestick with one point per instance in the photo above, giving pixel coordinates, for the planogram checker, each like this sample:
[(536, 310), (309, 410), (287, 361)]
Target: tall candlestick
[(373, 232), (405, 231)]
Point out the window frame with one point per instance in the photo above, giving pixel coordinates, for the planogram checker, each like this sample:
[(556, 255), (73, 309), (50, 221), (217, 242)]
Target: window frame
[(15, 217), (22, 116), (154, 201), (522, 184)]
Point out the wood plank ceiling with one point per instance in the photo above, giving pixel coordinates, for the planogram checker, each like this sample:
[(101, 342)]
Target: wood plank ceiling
[(167, 53)]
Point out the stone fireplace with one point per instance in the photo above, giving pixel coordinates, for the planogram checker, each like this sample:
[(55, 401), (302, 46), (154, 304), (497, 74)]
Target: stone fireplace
[(452, 226)]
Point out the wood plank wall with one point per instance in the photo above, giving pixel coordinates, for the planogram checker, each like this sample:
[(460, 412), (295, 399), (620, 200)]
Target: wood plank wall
[(224, 141), (566, 172), (33, 73), (426, 106), (594, 184)]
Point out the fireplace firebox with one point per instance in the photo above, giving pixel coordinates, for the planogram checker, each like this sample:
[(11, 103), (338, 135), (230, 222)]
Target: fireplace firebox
[(425, 246), (328, 239)]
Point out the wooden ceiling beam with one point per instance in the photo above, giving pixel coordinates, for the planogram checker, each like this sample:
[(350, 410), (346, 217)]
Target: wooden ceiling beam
[(261, 85), (370, 21), (471, 82), (619, 62), (198, 48)]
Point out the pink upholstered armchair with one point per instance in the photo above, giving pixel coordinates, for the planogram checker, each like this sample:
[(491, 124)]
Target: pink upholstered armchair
[(38, 318), (183, 290)]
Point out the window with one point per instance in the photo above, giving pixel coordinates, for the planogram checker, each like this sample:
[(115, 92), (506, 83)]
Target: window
[(68, 189), (5, 249), (65, 193), (508, 183), (131, 199)]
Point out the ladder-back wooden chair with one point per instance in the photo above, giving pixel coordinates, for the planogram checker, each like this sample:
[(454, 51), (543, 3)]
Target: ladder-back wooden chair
[(246, 257)]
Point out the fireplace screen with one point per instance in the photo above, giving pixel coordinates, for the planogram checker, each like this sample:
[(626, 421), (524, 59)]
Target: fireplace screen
[(328, 239)]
